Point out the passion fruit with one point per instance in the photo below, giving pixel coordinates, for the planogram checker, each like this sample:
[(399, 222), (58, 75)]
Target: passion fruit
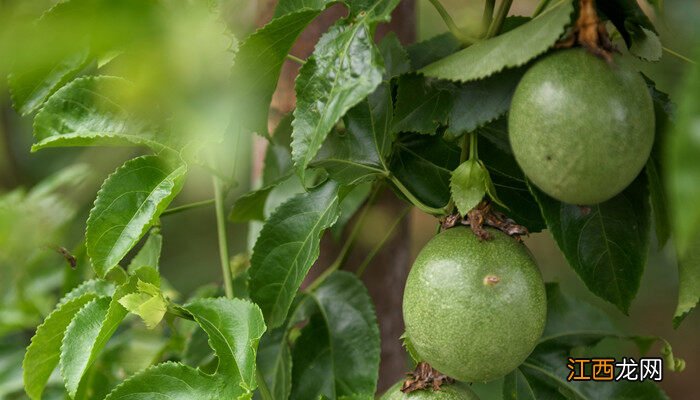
[(474, 309), (454, 391), (581, 128)]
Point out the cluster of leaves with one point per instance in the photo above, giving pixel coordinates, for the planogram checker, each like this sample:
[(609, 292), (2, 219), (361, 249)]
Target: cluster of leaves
[(367, 115)]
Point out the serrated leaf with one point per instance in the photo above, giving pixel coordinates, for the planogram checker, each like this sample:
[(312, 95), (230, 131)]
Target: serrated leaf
[(43, 353), (91, 329), (646, 45), (149, 253), (127, 205), (344, 68), (371, 10), (606, 244), (395, 57), (337, 354), (358, 153), (234, 327), (148, 303), (287, 247), (29, 89), (468, 185), (688, 282), (259, 62), (421, 104), (424, 165), (172, 381), (91, 111), (431, 50), (627, 17), (511, 49)]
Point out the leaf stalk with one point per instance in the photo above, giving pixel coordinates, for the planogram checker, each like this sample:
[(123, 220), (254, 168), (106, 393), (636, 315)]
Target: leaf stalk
[(221, 233)]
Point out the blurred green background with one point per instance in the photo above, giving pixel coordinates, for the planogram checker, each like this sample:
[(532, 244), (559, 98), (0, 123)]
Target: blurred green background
[(31, 221)]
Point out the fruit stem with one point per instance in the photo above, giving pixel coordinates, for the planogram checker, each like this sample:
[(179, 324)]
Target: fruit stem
[(540, 7), (221, 233), (497, 22), (454, 29), (414, 200), (473, 146), (343, 254), (375, 250), (198, 204)]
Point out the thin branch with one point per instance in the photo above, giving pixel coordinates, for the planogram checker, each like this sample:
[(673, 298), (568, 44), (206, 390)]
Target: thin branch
[(501, 15), (489, 6), (185, 207), (679, 55), (295, 59), (454, 29), (221, 232)]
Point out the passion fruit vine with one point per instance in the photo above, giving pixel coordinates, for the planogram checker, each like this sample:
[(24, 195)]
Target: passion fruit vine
[(474, 309), (581, 128)]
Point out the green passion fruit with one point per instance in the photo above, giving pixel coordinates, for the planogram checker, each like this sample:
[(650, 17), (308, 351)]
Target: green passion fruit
[(581, 128), (454, 391), (474, 309)]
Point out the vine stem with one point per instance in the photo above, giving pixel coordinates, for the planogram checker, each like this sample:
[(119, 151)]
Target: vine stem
[(678, 55), (413, 199), (343, 254), (489, 6), (497, 22), (375, 250), (540, 7), (473, 143), (454, 29), (221, 232), (186, 207), (295, 59)]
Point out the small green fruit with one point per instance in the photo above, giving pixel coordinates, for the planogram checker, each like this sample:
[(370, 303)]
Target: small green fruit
[(473, 309), (580, 128), (455, 391)]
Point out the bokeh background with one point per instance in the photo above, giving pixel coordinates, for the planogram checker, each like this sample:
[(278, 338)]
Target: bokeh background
[(32, 216)]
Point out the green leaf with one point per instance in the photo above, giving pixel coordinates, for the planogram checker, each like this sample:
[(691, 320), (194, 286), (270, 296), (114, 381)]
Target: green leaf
[(424, 165), (468, 185), (395, 57), (344, 68), (287, 247), (171, 380), (29, 89), (259, 62), (251, 206), (370, 10), (508, 178), (337, 354), (43, 353), (149, 254), (127, 205), (431, 50), (421, 104), (606, 244), (683, 165), (627, 17), (234, 327), (688, 282), (358, 153), (91, 329), (148, 303), (91, 111), (275, 363), (511, 49), (646, 45)]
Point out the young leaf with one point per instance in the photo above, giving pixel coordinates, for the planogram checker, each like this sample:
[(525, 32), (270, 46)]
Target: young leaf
[(149, 254), (358, 153), (606, 244), (511, 49), (424, 165), (43, 353), (344, 68), (174, 381), (468, 185), (29, 89), (127, 205), (234, 327), (148, 303), (337, 354), (90, 111), (287, 247)]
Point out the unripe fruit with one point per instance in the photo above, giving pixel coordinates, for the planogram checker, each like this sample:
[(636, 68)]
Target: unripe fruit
[(473, 309), (580, 128), (455, 391)]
